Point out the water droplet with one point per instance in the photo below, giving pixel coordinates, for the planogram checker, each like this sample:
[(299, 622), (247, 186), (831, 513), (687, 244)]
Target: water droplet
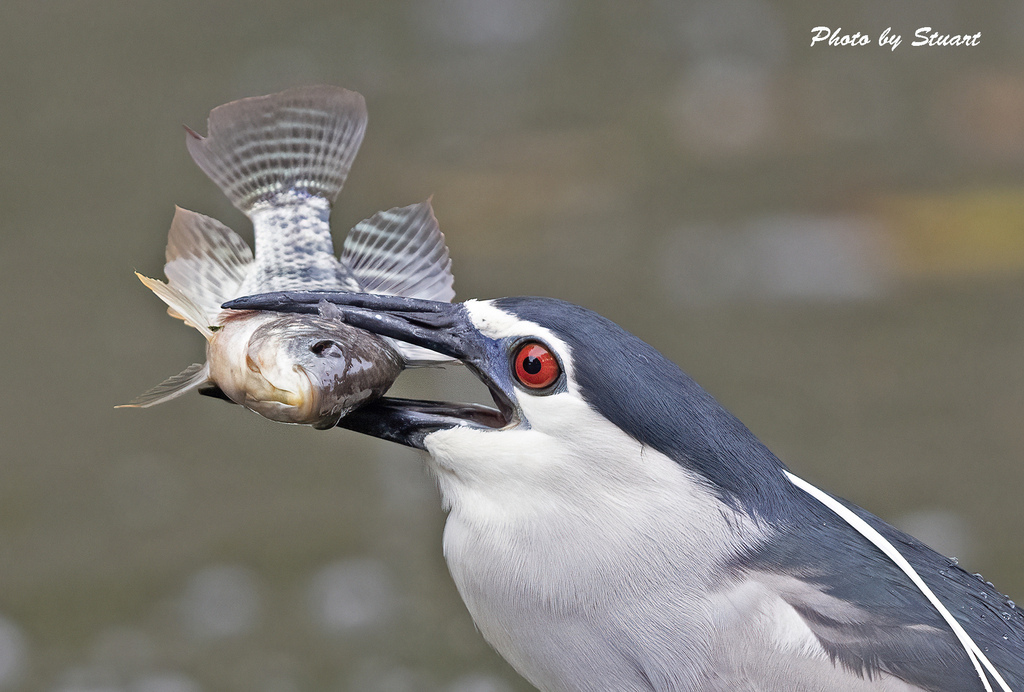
[(1005, 615)]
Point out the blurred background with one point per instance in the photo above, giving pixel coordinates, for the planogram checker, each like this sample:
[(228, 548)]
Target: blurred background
[(830, 240)]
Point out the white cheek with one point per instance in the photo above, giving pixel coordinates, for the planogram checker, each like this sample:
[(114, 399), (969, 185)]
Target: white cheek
[(498, 324), (562, 413)]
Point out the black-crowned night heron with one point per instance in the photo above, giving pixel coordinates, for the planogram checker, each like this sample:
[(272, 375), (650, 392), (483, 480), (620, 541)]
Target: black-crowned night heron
[(612, 527)]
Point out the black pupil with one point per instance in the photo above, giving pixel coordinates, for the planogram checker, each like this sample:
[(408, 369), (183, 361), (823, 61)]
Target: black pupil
[(531, 364), (326, 348)]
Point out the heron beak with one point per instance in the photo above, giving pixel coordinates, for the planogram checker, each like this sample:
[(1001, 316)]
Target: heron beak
[(442, 327)]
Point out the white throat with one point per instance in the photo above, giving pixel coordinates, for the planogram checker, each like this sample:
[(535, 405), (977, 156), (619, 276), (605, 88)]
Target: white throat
[(541, 528)]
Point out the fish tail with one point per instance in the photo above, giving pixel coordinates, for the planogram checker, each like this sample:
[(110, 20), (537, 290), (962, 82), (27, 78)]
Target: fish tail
[(301, 141)]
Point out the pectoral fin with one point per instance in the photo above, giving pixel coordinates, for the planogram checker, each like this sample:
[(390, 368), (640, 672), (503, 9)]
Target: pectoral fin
[(401, 252), (192, 377), (206, 260), (179, 305)]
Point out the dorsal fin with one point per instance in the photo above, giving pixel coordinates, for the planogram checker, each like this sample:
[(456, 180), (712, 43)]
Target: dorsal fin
[(301, 140), (401, 252), (206, 260)]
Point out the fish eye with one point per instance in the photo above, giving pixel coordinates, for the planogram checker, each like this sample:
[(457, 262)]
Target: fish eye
[(536, 366), (326, 348)]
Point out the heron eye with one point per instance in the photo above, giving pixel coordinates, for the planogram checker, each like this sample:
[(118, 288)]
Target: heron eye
[(536, 366), (326, 348)]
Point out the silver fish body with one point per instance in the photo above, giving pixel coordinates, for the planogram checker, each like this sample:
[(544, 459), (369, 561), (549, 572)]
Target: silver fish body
[(282, 159), (310, 370)]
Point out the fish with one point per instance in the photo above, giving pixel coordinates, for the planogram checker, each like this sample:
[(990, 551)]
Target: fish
[(282, 159)]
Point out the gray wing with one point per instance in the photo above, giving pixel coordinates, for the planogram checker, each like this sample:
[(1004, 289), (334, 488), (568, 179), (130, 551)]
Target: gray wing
[(869, 617)]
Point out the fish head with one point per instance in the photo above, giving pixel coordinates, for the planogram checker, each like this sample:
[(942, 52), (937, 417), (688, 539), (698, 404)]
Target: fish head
[(303, 368)]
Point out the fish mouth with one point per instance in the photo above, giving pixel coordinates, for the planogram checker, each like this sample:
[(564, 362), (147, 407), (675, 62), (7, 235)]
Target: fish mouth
[(283, 404), (441, 327)]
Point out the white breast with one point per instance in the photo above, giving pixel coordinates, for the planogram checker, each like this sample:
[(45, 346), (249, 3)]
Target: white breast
[(559, 552), (600, 566)]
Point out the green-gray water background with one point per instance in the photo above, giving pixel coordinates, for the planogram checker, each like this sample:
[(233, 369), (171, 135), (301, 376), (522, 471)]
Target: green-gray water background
[(830, 240)]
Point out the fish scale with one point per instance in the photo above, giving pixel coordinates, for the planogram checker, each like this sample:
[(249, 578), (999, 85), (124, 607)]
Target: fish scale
[(294, 249)]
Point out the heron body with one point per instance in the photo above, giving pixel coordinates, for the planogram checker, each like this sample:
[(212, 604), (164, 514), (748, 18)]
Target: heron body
[(612, 527)]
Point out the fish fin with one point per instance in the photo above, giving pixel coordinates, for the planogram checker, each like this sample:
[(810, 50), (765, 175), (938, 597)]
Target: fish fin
[(179, 305), (185, 381), (417, 356), (301, 140), (206, 260), (401, 252)]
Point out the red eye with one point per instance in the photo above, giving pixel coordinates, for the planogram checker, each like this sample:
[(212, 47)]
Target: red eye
[(536, 366)]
